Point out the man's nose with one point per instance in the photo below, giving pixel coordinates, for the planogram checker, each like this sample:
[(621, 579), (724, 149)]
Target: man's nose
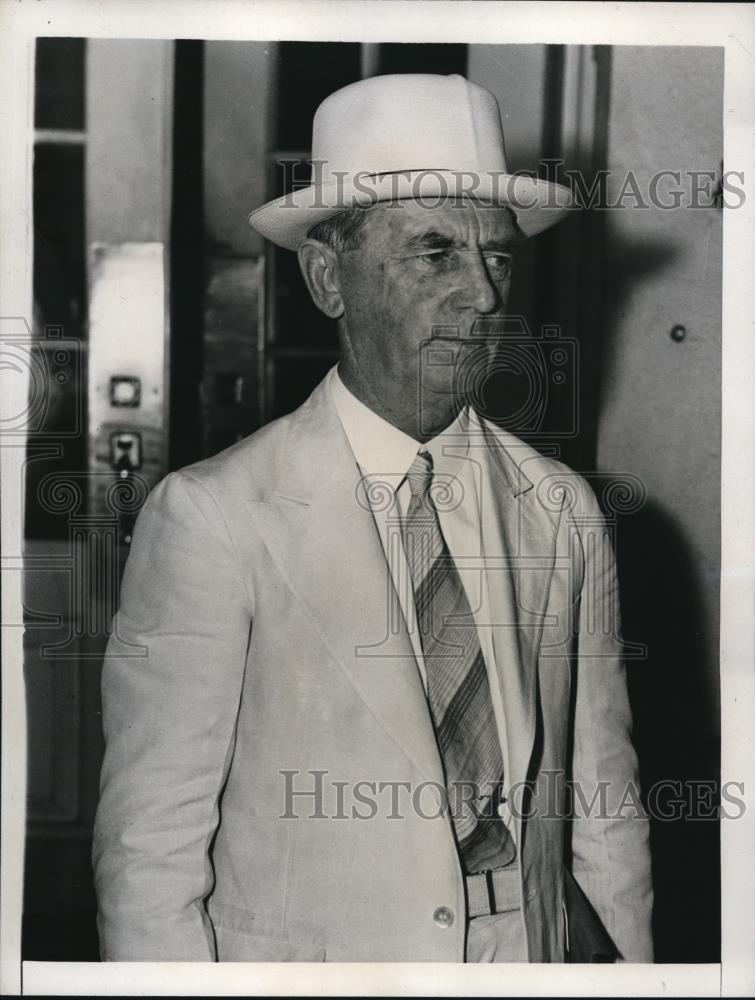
[(476, 289)]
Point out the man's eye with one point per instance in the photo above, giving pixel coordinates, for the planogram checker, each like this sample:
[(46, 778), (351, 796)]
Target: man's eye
[(498, 263), (435, 257)]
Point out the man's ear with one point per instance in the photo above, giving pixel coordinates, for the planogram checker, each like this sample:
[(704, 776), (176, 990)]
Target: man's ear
[(319, 266)]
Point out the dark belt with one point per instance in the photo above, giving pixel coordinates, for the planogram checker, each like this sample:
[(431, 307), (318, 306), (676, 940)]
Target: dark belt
[(493, 891)]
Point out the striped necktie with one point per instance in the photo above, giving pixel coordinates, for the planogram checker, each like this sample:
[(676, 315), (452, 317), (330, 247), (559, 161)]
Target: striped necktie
[(457, 684)]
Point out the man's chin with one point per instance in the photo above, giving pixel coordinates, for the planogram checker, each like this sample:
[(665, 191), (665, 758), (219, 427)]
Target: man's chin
[(442, 397)]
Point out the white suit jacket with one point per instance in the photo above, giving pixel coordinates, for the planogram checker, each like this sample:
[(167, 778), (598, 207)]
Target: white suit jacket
[(251, 658)]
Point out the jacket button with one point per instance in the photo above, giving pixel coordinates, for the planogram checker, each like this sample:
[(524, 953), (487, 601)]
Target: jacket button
[(443, 916)]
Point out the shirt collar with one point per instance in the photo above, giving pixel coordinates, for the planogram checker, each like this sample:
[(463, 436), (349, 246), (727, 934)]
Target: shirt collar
[(378, 446)]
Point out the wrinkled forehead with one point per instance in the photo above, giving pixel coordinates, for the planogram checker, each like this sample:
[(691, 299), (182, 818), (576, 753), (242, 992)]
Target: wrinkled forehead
[(460, 222)]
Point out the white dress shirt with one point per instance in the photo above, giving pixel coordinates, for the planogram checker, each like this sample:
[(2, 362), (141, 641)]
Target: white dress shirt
[(384, 455)]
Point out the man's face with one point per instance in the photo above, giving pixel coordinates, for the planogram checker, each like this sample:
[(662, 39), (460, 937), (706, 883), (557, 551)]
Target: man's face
[(419, 270)]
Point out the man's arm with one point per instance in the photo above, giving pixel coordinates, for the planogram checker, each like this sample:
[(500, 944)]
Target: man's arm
[(611, 858), (169, 717)]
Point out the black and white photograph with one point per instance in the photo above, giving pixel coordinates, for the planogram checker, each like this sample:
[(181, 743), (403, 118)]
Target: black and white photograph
[(377, 513)]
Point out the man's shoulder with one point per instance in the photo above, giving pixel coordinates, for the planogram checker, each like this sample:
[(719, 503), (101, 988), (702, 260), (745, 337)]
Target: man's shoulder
[(257, 462), (243, 466), (535, 465)]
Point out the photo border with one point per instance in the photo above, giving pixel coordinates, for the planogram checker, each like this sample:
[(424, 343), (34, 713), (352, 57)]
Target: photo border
[(731, 26)]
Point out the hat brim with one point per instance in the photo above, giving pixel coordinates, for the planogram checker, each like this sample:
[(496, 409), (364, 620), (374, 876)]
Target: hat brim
[(537, 204)]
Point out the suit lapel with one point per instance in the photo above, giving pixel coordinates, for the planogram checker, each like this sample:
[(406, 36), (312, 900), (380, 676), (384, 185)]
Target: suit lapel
[(518, 537), (322, 535)]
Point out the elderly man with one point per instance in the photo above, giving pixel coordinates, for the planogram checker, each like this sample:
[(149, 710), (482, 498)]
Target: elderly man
[(362, 655)]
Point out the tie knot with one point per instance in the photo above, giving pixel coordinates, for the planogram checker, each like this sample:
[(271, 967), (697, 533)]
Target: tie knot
[(420, 474)]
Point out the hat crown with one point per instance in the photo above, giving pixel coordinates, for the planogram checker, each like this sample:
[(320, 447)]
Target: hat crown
[(408, 121), (410, 136)]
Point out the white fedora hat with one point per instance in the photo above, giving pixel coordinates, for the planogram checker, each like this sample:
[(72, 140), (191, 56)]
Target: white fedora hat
[(416, 136)]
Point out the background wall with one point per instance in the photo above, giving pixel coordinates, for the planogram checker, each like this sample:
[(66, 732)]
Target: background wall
[(659, 418)]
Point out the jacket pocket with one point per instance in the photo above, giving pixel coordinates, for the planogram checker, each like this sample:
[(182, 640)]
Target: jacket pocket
[(239, 939)]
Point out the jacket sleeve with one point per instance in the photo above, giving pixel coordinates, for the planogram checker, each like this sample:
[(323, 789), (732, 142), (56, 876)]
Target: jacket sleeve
[(171, 688), (610, 845)]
